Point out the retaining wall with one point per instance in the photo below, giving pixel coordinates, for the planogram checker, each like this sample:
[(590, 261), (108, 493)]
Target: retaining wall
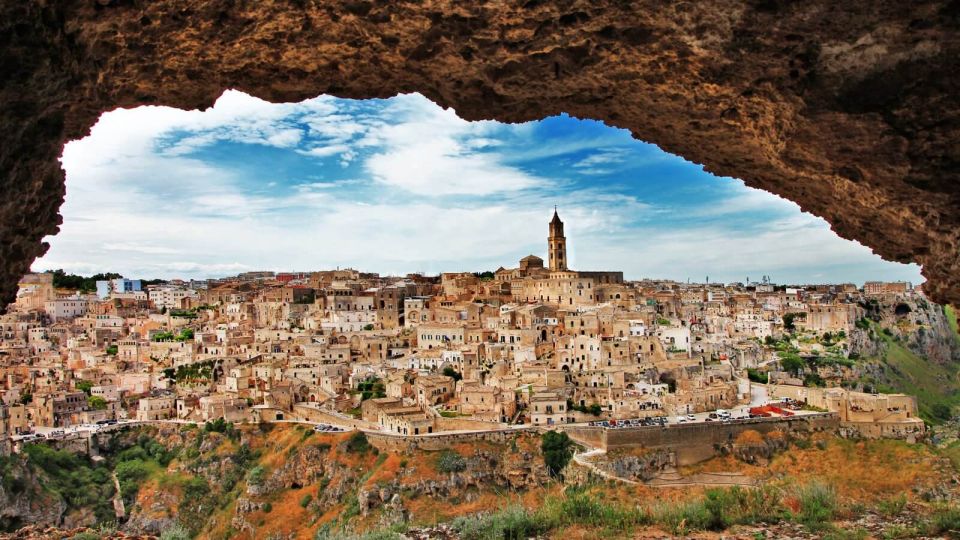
[(401, 443), (696, 442)]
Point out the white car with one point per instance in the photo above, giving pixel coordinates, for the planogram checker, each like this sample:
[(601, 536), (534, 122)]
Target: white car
[(691, 418)]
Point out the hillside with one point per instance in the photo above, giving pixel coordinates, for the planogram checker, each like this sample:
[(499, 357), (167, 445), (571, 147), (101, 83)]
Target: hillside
[(912, 348), (288, 482)]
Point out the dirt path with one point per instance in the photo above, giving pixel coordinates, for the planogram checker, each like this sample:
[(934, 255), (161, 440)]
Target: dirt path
[(118, 507)]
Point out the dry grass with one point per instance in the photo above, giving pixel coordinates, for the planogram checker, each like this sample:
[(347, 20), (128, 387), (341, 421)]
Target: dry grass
[(749, 437), (865, 471)]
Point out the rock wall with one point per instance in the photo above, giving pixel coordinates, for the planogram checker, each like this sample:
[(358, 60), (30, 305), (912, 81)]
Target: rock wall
[(698, 442), (848, 108), (399, 443)]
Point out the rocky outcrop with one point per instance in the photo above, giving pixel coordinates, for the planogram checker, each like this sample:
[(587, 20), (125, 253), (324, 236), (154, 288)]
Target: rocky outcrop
[(756, 448), (918, 324), (23, 500), (848, 108), (633, 466)]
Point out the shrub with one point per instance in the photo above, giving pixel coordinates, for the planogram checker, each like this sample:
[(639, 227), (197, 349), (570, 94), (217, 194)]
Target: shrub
[(894, 506), (256, 475), (941, 411), (358, 443), (943, 520), (818, 505), (175, 532), (557, 450), (513, 522), (267, 508), (305, 500), (758, 376), (450, 462), (681, 518)]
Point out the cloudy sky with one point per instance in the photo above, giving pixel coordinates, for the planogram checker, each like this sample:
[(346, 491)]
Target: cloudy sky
[(401, 185)]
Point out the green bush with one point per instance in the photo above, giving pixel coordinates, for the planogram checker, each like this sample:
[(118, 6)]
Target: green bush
[(944, 520), (818, 505), (511, 523), (175, 532), (306, 500), (894, 506), (358, 443), (682, 518), (256, 475), (758, 376)]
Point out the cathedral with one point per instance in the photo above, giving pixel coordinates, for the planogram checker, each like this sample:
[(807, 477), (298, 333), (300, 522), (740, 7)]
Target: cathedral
[(557, 284)]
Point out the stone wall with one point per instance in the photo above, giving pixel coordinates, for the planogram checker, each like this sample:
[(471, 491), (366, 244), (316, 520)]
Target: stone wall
[(587, 435), (457, 424), (401, 443), (698, 442), (312, 414)]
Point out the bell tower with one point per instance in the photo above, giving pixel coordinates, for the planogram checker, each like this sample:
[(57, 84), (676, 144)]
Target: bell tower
[(557, 244)]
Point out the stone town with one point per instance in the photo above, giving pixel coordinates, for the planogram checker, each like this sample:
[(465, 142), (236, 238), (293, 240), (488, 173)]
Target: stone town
[(534, 345)]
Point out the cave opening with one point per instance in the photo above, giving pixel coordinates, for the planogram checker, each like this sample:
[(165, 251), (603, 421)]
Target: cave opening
[(401, 185)]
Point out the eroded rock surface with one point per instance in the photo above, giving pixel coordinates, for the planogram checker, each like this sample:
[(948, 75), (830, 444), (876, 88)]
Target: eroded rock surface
[(848, 108)]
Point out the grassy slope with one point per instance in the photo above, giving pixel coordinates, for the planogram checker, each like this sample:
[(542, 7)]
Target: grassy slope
[(952, 318), (908, 373)]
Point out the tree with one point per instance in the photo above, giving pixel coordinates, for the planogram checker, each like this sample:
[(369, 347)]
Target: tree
[(941, 411), (792, 363), (788, 321), (368, 327), (557, 450), (112, 350), (84, 386), (96, 403), (595, 409), (450, 372)]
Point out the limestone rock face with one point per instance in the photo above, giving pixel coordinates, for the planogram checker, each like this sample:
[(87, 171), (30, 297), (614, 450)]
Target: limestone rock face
[(848, 108), (23, 500)]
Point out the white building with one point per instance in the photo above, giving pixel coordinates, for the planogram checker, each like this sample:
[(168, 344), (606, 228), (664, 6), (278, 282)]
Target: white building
[(169, 296), (65, 308)]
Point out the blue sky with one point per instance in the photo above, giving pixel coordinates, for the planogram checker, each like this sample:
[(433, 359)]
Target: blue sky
[(401, 185)]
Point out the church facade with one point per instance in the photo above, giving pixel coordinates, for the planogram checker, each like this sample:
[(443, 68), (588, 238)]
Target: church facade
[(557, 285)]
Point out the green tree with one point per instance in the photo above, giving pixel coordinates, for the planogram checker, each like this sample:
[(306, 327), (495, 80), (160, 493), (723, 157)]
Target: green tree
[(97, 403), (791, 363), (450, 372), (557, 450), (788, 321), (84, 386), (941, 411), (112, 350)]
